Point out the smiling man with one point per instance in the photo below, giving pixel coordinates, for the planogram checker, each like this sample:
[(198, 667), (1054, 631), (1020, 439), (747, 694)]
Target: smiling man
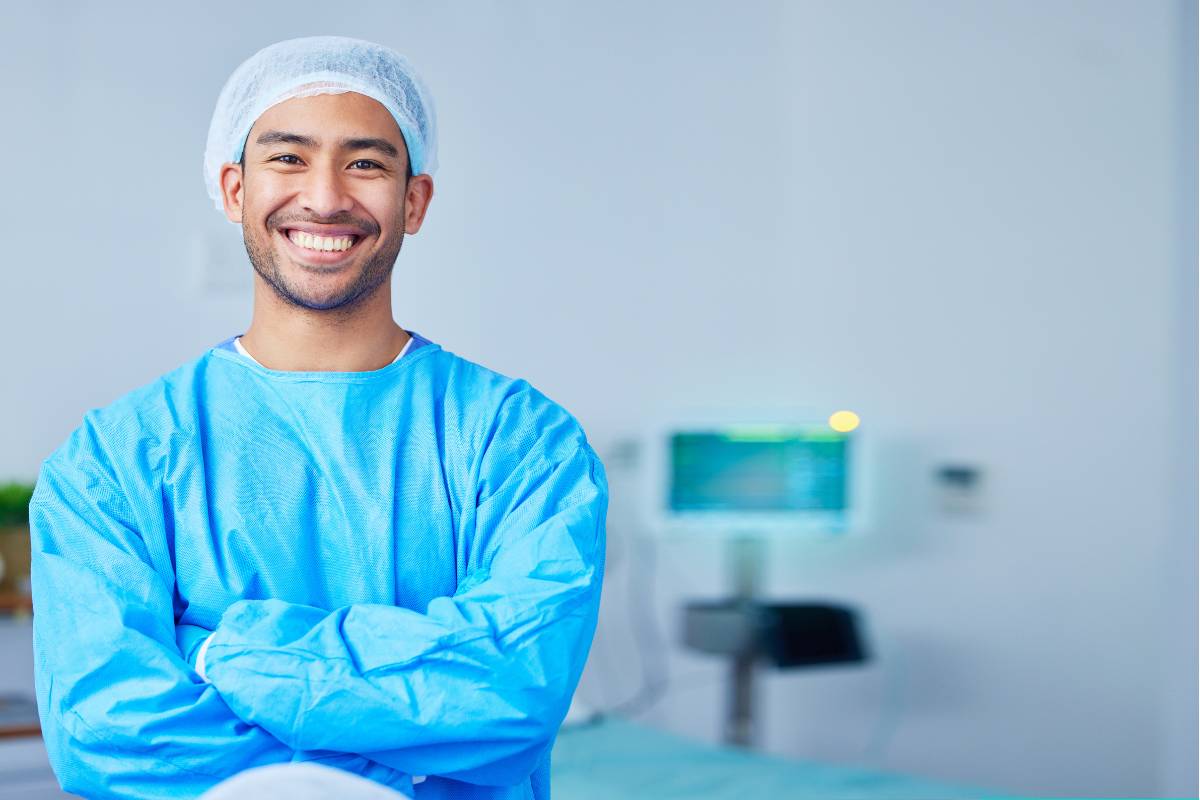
[(330, 199), (328, 540)]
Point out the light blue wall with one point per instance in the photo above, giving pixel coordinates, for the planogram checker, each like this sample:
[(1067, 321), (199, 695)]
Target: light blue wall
[(974, 223)]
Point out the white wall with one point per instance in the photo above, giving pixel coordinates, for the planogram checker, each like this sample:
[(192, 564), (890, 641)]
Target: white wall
[(974, 223)]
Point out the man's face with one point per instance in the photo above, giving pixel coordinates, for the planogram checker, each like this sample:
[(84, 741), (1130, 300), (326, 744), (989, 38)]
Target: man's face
[(332, 167)]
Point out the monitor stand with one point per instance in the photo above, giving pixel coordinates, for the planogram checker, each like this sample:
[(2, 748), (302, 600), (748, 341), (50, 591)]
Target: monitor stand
[(749, 632), (745, 555)]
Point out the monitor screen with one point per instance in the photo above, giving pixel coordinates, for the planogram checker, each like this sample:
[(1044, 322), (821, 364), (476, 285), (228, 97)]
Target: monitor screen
[(776, 471)]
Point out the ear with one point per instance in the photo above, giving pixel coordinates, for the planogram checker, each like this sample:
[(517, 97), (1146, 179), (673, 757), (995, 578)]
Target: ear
[(232, 191), (416, 202)]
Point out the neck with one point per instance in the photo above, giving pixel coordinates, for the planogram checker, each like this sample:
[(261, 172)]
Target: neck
[(284, 337)]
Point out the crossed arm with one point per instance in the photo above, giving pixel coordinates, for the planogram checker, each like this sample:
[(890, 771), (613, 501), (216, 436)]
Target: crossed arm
[(474, 689)]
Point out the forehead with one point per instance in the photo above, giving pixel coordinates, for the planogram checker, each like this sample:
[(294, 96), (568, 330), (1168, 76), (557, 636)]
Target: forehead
[(329, 118)]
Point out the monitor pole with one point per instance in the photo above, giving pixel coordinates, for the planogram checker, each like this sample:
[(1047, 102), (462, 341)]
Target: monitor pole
[(746, 566)]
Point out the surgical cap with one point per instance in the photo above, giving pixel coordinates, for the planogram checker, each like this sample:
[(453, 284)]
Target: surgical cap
[(319, 65)]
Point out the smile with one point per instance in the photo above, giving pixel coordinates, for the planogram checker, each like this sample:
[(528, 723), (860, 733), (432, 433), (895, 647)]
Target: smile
[(319, 249), (310, 242)]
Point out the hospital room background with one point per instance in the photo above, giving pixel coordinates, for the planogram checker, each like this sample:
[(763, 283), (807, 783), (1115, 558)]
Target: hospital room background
[(710, 225)]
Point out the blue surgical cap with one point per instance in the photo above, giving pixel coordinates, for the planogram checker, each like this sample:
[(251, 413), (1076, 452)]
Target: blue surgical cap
[(319, 65)]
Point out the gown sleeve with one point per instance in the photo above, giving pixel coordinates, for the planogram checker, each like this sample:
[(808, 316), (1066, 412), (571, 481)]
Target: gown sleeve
[(122, 713), (475, 688)]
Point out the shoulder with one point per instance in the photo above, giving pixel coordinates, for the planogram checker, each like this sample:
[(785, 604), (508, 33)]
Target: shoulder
[(513, 432), (504, 409), (126, 434)]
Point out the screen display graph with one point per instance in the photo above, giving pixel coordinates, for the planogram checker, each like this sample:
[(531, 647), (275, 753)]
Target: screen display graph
[(774, 471)]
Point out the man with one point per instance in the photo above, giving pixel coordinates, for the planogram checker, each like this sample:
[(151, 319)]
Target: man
[(329, 540)]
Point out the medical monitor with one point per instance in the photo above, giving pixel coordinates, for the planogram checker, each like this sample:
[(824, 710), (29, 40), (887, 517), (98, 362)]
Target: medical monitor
[(796, 479)]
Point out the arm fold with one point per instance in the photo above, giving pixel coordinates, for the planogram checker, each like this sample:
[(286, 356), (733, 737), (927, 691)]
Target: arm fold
[(122, 713), (475, 688)]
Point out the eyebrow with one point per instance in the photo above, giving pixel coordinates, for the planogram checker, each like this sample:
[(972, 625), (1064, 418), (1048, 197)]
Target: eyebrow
[(284, 137)]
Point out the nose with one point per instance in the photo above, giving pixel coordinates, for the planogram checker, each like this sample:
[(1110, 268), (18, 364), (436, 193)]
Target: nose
[(325, 192)]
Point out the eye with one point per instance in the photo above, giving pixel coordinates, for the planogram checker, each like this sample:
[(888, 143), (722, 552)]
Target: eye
[(286, 155), (370, 164)]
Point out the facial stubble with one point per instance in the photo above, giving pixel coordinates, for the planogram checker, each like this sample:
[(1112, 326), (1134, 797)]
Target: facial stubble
[(374, 273)]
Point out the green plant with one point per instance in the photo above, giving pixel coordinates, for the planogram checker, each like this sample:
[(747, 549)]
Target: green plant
[(14, 503)]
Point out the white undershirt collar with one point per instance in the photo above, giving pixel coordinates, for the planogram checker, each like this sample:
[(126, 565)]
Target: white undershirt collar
[(237, 343)]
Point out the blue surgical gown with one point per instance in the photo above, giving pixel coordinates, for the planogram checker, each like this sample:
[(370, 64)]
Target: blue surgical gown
[(400, 570)]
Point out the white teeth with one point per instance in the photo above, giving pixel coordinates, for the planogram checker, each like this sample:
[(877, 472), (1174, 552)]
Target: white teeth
[(322, 243)]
